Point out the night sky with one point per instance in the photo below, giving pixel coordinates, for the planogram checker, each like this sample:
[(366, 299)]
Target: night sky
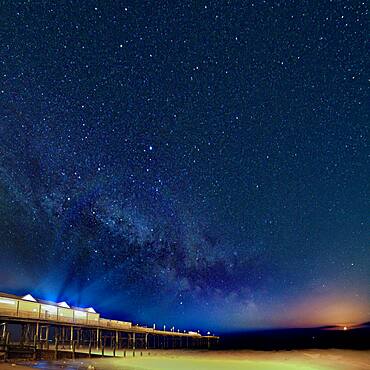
[(202, 164)]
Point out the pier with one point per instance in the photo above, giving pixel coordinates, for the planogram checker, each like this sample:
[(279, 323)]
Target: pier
[(31, 327)]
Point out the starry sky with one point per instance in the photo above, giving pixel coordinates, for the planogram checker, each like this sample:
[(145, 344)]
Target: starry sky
[(202, 164)]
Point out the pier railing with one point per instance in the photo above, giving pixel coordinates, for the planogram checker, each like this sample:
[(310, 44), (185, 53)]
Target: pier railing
[(19, 309)]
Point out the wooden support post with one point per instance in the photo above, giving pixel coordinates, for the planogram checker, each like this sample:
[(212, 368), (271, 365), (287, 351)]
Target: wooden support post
[(133, 344), (71, 337), (56, 333), (21, 342), (4, 330), (56, 349), (35, 347), (102, 347), (47, 337), (90, 337), (6, 347), (146, 341), (117, 339), (128, 340), (62, 336), (37, 330), (97, 338), (114, 348), (78, 337), (29, 334), (23, 337), (74, 350), (26, 330), (90, 349), (65, 336)]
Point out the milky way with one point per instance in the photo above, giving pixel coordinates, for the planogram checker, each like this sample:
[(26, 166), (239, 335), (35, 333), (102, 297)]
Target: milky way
[(197, 164)]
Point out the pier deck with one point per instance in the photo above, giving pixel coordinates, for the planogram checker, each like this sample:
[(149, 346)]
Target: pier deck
[(26, 322)]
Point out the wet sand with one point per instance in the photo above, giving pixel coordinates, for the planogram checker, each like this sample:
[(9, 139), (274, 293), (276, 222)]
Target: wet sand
[(332, 359)]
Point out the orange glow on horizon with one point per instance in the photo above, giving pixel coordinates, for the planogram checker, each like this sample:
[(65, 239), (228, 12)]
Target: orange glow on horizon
[(327, 310)]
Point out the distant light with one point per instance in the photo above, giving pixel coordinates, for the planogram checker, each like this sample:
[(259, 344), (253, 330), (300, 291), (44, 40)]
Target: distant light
[(208, 333), (345, 328)]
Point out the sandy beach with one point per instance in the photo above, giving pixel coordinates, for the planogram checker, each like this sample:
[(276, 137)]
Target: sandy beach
[(332, 359)]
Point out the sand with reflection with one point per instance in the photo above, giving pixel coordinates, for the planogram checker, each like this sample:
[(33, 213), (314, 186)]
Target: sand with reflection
[(332, 359)]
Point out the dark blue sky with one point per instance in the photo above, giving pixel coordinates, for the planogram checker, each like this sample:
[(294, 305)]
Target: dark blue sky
[(200, 164)]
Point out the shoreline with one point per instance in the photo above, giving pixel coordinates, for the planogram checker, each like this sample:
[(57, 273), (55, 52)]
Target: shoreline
[(319, 359)]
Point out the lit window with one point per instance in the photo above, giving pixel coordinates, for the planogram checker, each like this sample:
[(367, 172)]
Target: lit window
[(48, 309), (80, 314)]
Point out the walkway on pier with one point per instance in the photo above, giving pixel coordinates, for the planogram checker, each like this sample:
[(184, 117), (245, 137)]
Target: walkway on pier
[(44, 324)]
